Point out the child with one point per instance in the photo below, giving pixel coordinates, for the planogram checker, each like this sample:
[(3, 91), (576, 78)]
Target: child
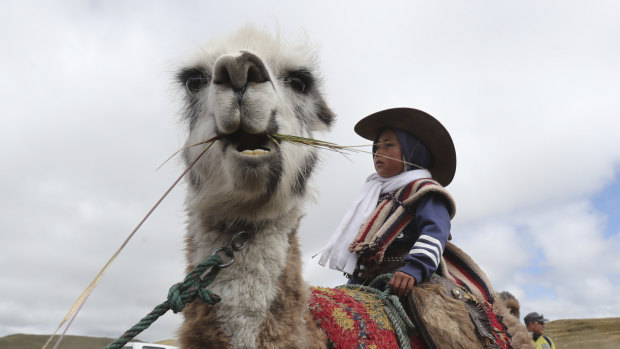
[(400, 221)]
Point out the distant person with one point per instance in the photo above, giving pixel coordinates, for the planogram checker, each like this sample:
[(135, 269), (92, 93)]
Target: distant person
[(535, 324)]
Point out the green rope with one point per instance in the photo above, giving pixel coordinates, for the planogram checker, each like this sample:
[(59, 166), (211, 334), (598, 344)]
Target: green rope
[(393, 308), (179, 295)]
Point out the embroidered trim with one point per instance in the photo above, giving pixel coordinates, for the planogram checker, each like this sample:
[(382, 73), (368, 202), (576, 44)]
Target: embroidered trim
[(392, 215)]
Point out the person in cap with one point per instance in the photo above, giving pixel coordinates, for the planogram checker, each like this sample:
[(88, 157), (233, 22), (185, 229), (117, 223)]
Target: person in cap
[(535, 324), (400, 221)]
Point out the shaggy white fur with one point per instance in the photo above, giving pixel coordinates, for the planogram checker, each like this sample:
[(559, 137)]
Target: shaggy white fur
[(242, 89), (249, 285)]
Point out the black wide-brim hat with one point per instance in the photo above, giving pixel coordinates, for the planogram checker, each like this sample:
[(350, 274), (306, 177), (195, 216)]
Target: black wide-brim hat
[(421, 125)]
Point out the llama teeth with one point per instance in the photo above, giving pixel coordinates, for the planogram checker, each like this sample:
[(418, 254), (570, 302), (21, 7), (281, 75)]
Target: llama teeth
[(255, 152)]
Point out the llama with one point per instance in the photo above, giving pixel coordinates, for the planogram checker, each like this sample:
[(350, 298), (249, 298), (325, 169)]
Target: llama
[(241, 90)]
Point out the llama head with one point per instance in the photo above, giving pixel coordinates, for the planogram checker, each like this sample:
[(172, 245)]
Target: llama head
[(242, 89)]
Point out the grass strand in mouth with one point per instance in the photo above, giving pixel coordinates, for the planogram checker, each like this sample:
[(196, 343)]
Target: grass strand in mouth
[(342, 149), (277, 138), (315, 143), (312, 142)]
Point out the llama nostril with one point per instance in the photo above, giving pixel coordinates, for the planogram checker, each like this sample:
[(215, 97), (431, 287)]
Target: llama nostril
[(239, 71)]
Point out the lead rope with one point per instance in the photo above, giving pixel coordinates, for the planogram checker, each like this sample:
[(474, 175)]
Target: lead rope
[(194, 286)]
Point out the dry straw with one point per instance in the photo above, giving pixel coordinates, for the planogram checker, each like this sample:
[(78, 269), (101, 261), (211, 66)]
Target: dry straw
[(75, 308), (342, 149)]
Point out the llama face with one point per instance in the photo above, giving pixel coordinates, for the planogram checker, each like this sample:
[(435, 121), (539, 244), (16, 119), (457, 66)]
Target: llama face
[(242, 90)]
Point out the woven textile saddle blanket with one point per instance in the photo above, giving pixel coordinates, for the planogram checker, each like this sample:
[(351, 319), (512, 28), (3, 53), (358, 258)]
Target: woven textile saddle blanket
[(459, 267), (352, 318)]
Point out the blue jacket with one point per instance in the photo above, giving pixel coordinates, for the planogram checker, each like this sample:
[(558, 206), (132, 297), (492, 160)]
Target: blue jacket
[(426, 236)]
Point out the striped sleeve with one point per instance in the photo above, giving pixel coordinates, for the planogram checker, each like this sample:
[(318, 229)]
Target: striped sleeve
[(432, 223)]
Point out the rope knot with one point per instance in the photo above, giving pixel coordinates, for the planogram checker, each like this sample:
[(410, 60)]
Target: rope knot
[(175, 297), (183, 293)]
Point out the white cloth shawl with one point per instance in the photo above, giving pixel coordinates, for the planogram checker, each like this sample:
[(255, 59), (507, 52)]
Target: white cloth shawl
[(337, 249)]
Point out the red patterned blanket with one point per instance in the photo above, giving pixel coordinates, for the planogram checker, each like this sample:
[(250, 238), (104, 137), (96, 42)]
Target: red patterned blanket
[(354, 318)]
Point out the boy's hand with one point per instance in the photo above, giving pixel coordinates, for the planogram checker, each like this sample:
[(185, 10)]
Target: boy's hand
[(402, 283)]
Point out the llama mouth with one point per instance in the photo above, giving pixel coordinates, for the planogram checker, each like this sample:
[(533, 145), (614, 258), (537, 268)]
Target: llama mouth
[(250, 144)]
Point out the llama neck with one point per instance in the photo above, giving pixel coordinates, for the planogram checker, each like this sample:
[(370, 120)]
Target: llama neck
[(250, 285)]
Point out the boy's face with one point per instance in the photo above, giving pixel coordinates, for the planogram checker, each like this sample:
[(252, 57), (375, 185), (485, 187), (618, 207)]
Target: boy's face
[(388, 156)]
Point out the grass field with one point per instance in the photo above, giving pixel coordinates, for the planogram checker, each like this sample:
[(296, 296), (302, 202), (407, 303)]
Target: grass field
[(31, 341), (585, 333)]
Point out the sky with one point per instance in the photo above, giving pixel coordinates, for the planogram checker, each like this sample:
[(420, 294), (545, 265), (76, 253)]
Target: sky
[(527, 89)]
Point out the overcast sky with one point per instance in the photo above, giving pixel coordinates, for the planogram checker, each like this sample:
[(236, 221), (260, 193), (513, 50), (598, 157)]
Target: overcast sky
[(529, 91)]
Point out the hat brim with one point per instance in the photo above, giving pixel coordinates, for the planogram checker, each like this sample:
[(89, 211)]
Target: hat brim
[(539, 319), (421, 125)]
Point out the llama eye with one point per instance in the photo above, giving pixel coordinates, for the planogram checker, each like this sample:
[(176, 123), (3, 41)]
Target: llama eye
[(300, 80), (194, 79), (297, 84), (195, 84)]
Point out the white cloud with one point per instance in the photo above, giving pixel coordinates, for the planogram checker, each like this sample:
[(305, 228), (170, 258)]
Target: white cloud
[(549, 256)]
